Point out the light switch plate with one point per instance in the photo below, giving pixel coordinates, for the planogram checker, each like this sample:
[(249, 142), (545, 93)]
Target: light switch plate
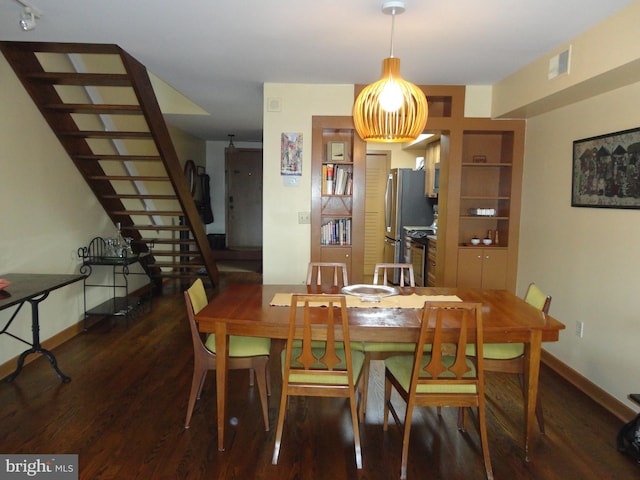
[(304, 217)]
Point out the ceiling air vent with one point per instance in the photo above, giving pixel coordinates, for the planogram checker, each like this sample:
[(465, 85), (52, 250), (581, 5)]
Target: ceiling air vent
[(559, 64)]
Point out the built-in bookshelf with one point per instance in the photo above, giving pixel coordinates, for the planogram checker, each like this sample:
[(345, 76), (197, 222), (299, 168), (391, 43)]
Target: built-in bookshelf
[(337, 191), (489, 203)]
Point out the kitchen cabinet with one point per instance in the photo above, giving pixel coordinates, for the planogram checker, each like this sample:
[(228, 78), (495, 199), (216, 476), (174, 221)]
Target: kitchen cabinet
[(482, 267), (432, 250), (432, 168), (418, 260)]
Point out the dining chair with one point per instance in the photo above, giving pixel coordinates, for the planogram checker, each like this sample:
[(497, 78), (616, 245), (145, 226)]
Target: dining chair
[(383, 350), (244, 353), (405, 270), (509, 357), (330, 370), (335, 270), (444, 376)]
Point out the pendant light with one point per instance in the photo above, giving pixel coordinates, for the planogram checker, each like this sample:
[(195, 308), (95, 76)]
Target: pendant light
[(391, 109), (231, 147)]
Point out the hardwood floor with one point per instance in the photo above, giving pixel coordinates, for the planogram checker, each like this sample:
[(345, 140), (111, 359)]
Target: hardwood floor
[(124, 409)]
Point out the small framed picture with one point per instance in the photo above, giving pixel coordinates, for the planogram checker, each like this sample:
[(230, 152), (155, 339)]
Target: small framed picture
[(479, 159), (337, 152)]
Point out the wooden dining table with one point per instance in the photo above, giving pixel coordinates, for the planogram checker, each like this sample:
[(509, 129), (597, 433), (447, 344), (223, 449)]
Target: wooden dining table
[(247, 310)]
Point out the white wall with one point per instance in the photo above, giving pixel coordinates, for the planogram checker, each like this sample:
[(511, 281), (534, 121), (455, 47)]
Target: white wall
[(587, 258)]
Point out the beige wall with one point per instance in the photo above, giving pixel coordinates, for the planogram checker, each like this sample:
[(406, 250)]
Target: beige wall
[(286, 249), (586, 258), (48, 212)]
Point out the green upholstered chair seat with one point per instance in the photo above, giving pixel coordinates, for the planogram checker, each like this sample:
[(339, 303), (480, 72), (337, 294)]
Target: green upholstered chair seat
[(357, 360), (402, 366), (393, 347), (242, 346), (498, 351)]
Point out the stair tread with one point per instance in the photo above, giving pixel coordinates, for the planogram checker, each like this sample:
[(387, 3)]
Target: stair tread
[(158, 227), (93, 108), (86, 79), (105, 134), (130, 177), (176, 213), (165, 241), (121, 158), (141, 196)]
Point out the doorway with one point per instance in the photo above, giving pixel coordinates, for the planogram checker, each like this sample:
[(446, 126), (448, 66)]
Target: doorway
[(243, 169)]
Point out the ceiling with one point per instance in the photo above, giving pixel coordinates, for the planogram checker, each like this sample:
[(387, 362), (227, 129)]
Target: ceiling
[(219, 54)]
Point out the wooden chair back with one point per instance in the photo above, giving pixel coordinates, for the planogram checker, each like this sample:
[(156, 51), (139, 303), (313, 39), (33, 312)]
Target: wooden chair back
[(443, 377), (308, 363), (406, 269), (334, 274), (315, 360), (448, 360)]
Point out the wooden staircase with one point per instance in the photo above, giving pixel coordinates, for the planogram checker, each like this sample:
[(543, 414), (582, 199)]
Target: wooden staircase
[(100, 103)]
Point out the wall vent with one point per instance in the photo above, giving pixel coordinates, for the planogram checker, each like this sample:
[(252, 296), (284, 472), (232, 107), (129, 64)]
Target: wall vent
[(274, 104), (559, 64)]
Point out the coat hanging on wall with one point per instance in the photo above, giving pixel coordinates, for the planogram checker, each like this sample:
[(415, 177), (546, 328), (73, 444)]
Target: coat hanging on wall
[(205, 204)]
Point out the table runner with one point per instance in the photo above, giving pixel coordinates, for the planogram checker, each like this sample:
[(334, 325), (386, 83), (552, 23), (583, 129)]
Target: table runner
[(394, 301)]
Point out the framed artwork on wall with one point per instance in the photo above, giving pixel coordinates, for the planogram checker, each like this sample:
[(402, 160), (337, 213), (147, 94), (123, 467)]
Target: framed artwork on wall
[(606, 171), (291, 154)]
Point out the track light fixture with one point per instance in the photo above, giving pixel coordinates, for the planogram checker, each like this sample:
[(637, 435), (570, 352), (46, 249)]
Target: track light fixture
[(28, 16)]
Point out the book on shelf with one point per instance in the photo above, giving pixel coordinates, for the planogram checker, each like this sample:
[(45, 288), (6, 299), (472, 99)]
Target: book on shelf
[(328, 176), (336, 231), (336, 180)]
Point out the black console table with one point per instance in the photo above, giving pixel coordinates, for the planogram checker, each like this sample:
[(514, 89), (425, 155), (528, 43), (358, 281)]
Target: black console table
[(32, 288)]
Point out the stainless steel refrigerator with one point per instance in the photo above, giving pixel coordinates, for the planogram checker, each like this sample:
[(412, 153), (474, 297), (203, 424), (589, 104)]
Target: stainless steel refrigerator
[(405, 205)]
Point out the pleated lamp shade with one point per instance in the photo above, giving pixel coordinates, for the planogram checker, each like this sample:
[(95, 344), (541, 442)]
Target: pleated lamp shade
[(391, 109)]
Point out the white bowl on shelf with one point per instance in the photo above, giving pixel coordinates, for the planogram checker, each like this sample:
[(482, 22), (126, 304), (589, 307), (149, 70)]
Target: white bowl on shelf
[(475, 241), (487, 241)]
